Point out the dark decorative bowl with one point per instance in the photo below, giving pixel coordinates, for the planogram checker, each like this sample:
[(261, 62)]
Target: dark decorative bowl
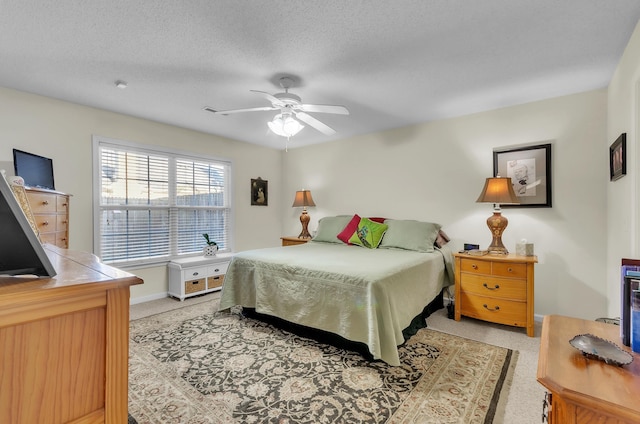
[(595, 347)]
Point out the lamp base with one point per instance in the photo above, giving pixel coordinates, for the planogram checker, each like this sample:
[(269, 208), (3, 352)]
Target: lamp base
[(304, 220), (497, 224)]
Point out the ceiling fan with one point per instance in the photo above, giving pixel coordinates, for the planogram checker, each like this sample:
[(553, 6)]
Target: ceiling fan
[(290, 107)]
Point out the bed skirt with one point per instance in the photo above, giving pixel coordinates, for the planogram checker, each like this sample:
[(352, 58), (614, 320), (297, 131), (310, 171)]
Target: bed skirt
[(338, 341)]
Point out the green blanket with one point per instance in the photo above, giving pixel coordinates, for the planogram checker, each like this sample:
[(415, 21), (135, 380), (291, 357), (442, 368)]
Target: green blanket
[(363, 295)]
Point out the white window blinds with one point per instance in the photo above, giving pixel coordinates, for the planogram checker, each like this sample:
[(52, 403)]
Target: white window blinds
[(153, 205)]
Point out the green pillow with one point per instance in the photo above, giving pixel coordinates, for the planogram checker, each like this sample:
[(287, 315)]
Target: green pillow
[(368, 234), (330, 226), (410, 235)]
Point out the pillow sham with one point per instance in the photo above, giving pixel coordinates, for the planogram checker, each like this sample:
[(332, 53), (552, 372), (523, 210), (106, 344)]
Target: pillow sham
[(410, 235), (369, 234), (329, 227)]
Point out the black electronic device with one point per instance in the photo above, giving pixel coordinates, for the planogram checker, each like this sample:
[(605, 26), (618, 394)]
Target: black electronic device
[(469, 246), (35, 170), (20, 250)]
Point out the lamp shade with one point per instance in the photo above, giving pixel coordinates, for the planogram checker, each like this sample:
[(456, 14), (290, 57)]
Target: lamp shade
[(303, 198), (498, 190)]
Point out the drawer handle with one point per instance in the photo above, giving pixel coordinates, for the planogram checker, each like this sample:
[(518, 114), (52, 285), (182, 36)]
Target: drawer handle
[(474, 266), (194, 274), (497, 308), (497, 286), (510, 269), (217, 269), (45, 223), (195, 283), (44, 202)]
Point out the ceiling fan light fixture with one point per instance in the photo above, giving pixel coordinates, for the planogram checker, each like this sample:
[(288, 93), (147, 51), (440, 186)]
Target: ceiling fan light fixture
[(285, 126)]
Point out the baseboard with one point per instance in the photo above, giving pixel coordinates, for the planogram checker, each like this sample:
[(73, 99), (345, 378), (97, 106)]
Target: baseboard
[(142, 299)]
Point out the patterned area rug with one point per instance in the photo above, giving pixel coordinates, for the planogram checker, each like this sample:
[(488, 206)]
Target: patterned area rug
[(195, 365)]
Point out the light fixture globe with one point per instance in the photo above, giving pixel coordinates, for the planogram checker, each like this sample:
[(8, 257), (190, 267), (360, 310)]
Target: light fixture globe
[(283, 124)]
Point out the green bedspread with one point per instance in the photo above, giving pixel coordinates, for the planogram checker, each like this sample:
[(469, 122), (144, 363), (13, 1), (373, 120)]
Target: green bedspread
[(363, 295)]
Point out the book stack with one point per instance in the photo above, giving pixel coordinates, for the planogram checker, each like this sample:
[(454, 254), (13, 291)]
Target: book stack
[(630, 304)]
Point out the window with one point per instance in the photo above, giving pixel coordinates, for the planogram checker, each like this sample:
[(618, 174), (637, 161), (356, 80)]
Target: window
[(152, 205)]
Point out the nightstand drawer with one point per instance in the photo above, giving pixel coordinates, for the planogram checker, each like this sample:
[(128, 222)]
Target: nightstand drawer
[(501, 288), (505, 269), (494, 309), (475, 266)]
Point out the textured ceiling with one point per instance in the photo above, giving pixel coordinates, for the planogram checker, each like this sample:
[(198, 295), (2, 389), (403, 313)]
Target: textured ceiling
[(391, 63)]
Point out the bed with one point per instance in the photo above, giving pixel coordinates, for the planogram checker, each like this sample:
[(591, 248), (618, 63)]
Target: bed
[(364, 295)]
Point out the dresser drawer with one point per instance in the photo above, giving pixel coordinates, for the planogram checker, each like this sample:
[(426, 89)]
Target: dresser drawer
[(46, 223), (511, 270), (42, 202), (194, 273), (493, 309), (475, 266), (502, 288), (61, 223), (218, 269), (62, 204)]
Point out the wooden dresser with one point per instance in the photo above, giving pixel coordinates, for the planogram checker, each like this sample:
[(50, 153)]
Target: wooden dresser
[(583, 390), (50, 210), (64, 343), (496, 288)]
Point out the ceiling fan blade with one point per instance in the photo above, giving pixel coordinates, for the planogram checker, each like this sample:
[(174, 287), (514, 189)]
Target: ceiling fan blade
[(273, 99), (227, 112), (310, 120), (340, 110)]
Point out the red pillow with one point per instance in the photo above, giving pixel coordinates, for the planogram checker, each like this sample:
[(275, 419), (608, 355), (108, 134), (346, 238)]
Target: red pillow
[(351, 228), (378, 220)]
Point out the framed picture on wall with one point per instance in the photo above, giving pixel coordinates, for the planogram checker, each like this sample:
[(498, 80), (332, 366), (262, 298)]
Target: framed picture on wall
[(618, 158), (529, 168), (259, 192)]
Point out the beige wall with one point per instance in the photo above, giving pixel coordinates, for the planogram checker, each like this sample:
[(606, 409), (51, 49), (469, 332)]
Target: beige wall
[(435, 172), (623, 221), (63, 131)]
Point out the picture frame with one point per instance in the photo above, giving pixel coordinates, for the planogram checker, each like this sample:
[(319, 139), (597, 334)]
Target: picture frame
[(618, 158), (529, 168), (259, 192)]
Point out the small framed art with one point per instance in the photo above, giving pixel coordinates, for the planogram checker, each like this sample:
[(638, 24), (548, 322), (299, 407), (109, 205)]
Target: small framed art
[(618, 158), (259, 192), (529, 168)]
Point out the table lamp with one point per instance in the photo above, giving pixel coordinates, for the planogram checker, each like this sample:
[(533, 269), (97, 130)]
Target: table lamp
[(304, 199), (497, 190)]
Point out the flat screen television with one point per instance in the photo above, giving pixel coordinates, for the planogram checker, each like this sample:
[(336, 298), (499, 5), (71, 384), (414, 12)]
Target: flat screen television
[(37, 171), (20, 250)]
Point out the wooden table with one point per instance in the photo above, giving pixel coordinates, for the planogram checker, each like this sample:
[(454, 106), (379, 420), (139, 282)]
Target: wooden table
[(584, 390), (292, 240), (64, 343)]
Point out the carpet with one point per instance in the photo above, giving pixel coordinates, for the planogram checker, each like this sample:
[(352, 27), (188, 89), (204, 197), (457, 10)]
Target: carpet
[(195, 365)]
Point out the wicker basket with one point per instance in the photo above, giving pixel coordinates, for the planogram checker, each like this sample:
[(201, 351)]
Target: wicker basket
[(194, 286), (214, 282)]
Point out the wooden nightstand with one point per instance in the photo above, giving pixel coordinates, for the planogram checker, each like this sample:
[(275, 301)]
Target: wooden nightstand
[(495, 288), (292, 241)]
